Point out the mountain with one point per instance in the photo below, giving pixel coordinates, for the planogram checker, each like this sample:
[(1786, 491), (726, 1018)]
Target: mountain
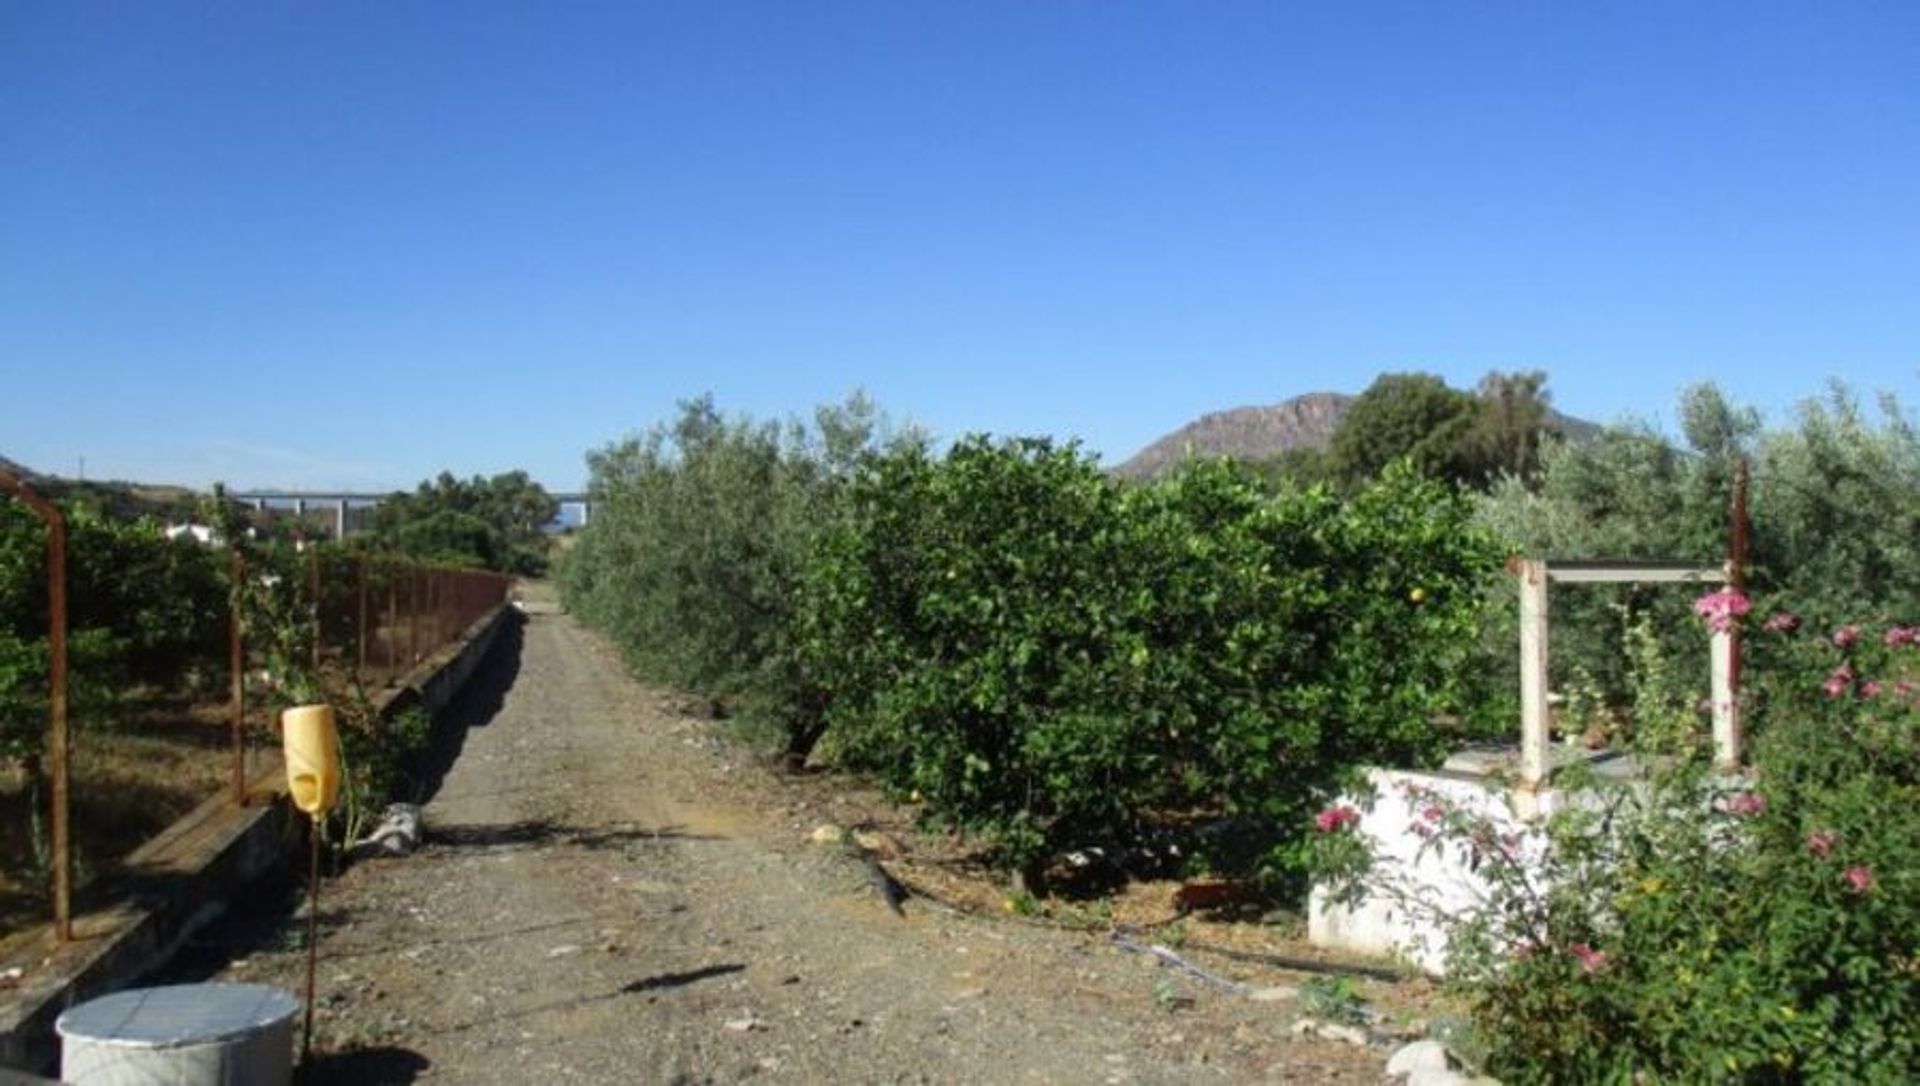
[(1246, 433), (20, 470), (1261, 433)]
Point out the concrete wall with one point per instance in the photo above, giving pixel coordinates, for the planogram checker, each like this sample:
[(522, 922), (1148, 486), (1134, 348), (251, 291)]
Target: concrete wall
[(1438, 879)]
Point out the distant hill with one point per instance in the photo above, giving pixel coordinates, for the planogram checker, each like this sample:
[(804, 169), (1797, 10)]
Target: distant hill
[(21, 470), (119, 499), (1262, 433), (1246, 433)]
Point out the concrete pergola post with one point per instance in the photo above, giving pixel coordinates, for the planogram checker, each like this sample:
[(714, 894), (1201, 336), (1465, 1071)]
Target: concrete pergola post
[(1535, 719), (1535, 575), (340, 519)]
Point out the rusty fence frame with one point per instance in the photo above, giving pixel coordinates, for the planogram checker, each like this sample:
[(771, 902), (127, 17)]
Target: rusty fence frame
[(57, 731), (446, 600)]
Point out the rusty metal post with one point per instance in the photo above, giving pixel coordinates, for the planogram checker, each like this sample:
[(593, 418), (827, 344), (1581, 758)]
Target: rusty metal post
[(390, 630), (237, 669), (58, 754), (413, 616), (360, 618), (313, 603), (1728, 730)]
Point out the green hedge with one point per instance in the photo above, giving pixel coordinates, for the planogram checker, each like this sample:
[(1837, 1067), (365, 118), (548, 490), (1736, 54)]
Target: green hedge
[(1052, 658)]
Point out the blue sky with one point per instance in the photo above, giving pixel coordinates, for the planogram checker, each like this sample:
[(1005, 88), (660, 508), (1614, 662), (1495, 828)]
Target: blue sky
[(350, 244)]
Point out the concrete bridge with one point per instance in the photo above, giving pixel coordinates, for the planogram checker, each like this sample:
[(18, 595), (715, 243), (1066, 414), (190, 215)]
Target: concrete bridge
[(338, 502)]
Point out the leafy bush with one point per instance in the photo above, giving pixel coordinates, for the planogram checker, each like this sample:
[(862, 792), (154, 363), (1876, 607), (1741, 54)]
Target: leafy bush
[(699, 533), (143, 610), (1050, 658), (1704, 927), (493, 523)]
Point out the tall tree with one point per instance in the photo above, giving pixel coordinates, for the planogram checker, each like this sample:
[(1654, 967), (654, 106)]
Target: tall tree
[(1404, 415)]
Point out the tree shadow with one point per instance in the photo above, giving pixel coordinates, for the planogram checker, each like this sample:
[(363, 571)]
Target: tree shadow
[(475, 706), (663, 981), (535, 832), (659, 982), (375, 1066)]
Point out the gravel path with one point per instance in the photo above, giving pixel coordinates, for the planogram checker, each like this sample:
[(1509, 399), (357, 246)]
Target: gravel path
[(609, 896)]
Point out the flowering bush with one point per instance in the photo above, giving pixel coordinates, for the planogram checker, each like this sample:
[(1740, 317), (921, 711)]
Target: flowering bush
[(1701, 927)]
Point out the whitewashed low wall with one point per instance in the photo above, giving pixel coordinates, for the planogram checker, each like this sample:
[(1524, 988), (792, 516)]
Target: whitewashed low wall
[(1383, 925)]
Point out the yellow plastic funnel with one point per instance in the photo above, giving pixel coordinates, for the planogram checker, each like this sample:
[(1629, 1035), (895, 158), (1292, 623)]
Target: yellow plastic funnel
[(313, 757)]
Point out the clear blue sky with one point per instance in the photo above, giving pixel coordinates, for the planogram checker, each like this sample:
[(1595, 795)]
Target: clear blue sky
[(350, 244)]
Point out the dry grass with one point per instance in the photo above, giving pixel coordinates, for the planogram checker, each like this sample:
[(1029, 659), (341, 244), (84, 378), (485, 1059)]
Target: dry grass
[(128, 784)]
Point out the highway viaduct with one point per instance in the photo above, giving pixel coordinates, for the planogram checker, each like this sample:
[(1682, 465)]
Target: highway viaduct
[(337, 502)]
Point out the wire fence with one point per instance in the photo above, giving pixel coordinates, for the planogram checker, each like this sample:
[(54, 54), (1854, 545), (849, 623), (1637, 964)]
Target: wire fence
[(77, 795)]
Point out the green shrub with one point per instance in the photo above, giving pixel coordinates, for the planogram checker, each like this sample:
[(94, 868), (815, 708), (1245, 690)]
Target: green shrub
[(699, 534), (1050, 658), (143, 611)]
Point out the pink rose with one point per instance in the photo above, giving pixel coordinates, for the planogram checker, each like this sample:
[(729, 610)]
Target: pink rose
[(1821, 842), (1846, 636), (1839, 681), (1591, 960), (1746, 804), (1334, 819), (1783, 622), (1902, 635), (1721, 608), (1860, 878)]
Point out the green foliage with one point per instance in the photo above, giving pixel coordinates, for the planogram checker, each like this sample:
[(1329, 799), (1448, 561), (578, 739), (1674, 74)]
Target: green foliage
[(376, 754), (143, 611), (1467, 438), (1835, 506), (491, 523), (1049, 657), (697, 542), (1411, 416)]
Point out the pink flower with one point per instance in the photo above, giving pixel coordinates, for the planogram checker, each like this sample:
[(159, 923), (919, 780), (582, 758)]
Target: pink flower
[(1902, 635), (1432, 812), (1334, 819), (1721, 608), (1839, 681), (1746, 804), (1821, 842), (1783, 622), (1846, 636), (1860, 877), (1591, 960), (1870, 689)]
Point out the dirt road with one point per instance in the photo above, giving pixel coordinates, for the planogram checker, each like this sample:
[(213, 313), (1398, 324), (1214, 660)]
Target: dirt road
[(611, 894)]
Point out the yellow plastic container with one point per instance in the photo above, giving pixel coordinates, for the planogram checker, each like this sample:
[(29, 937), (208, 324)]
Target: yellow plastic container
[(313, 757)]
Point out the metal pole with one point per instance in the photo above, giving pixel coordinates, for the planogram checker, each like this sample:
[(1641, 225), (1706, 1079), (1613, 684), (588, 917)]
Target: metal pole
[(1728, 737), (57, 725), (237, 669), (57, 731), (313, 598), (413, 616), (360, 623), (391, 629), (313, 933)]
